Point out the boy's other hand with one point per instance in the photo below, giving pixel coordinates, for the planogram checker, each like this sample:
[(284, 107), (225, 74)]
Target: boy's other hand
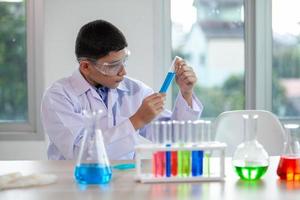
[(186, 80), (151, 106)]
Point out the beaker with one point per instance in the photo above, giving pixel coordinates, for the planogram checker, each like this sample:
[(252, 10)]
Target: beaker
[(92, 165), (250, 159), (289, 164)]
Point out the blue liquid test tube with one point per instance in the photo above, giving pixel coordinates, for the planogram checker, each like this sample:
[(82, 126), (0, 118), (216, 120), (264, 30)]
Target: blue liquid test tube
[(167, 140), (169, 77), (197, 156)]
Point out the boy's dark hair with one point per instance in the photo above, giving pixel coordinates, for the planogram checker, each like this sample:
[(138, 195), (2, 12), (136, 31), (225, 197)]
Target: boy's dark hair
[(97, 38)]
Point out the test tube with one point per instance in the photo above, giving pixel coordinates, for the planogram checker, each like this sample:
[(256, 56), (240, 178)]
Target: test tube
[(174, 157), (197, 156), (167, 141), (180, 153), (187, 154), (161, 156), (155, 139), (169, 77), (207, 139)]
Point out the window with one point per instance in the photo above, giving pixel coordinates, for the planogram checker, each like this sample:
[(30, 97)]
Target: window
[(286, 58), (209, 34), (20, 51), (13, 62)]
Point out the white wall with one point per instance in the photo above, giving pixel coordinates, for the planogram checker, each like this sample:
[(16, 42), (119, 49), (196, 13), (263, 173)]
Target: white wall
[(63, 18)]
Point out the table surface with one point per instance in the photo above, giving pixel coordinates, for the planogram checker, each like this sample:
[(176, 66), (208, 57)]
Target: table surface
[(123, 185)]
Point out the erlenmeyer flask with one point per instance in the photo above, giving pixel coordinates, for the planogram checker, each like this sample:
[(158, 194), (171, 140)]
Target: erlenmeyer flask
[(92, 165), (250, 159), (289, 164)]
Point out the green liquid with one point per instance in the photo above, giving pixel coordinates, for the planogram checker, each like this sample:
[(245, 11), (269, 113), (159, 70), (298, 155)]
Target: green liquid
[(183, 162), (207, 164), (251, 172), (180, 163), (186, 163)]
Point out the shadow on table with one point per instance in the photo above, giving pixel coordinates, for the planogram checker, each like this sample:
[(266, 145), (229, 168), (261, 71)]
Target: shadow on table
[(250, 185), (288, 185)]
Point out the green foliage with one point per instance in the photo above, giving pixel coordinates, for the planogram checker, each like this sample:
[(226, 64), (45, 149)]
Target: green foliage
[(231, 95), (286, 61), (286, 65), (216, 100), (13, 71)]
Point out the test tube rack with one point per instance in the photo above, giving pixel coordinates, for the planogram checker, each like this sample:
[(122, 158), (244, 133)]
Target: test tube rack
[(145, 152)]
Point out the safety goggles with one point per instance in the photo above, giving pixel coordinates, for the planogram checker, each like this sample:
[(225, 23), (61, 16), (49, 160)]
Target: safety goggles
[(109, 69)]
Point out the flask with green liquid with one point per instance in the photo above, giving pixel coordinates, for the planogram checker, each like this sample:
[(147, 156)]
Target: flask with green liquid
[(250, 159)]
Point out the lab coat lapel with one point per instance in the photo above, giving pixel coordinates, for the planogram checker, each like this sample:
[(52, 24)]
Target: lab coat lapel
[(111, 101)]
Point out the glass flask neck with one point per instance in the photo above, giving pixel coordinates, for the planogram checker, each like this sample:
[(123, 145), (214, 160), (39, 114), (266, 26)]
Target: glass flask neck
[(250, 127), (291, 144)]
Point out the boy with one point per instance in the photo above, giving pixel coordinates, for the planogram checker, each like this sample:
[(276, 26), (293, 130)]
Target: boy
[(100, 83)]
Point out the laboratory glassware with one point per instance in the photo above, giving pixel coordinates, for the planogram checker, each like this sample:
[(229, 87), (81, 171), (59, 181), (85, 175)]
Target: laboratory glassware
[(197, 156), (92, 165), (170, 76), (289, 164), (250, 159)]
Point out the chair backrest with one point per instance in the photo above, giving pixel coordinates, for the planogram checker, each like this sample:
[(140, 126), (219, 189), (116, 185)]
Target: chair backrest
[(229, 128)]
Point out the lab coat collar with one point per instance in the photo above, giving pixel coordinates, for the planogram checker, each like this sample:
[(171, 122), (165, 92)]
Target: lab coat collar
[(80, 85), (122, 86)]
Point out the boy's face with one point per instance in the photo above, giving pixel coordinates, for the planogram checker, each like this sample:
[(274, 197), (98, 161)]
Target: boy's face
[(107, 71)]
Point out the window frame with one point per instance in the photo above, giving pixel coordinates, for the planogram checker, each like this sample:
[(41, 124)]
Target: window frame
[(31, 129)]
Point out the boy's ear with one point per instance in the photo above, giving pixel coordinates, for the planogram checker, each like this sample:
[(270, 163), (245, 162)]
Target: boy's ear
[(84, 66)]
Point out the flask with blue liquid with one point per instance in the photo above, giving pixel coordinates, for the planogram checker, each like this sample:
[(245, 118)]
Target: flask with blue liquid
[(92, 165)]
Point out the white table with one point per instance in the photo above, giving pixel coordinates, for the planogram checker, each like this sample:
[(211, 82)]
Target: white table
[(123, 186)]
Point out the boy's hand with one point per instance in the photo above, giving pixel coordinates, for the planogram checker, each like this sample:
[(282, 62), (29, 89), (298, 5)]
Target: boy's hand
[(150, 108), (186, 80)]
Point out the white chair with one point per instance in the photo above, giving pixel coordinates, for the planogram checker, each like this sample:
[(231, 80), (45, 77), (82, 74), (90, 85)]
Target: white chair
[(229, 128)]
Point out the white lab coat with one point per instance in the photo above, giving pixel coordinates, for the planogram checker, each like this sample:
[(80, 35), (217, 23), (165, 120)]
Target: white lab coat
[(62, 118)]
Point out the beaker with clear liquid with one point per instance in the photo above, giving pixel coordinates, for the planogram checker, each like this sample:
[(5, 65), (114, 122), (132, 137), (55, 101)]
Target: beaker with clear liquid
[(250, 159), (289, 164), (92, 165)]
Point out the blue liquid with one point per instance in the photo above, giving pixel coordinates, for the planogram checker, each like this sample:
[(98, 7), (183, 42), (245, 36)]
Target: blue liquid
[(92, 173), (124, 166), (167, 82), (197, 163), (168, 162)]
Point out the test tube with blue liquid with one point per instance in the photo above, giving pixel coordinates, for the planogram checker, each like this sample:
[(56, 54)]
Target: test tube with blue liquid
[(169, 77), (167, 128), (197, 156)]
